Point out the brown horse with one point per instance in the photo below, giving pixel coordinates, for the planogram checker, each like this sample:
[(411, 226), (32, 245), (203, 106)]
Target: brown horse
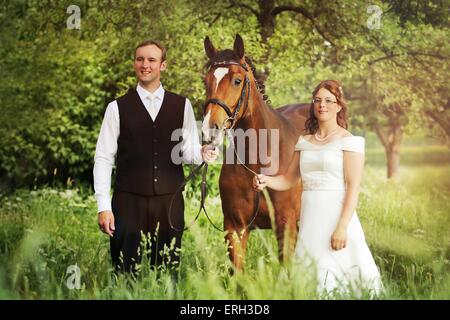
[(233, 101)]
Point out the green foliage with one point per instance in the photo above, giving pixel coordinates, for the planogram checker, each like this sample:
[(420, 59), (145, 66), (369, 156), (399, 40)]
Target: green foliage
[(429, 12), (52, 106), (45, 231), (56, 82)]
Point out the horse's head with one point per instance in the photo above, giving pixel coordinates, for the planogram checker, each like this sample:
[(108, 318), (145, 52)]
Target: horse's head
[(227, 83)]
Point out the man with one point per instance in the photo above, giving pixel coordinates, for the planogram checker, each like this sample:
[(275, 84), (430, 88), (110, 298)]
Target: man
[(136, 134)]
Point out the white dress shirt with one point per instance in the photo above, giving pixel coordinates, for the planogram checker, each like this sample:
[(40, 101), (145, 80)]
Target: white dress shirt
[(106, 149)]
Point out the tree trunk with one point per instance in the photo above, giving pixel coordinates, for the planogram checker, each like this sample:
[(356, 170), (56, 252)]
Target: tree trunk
[(266, 19), (267, 27), (391, 139), (393, 162)]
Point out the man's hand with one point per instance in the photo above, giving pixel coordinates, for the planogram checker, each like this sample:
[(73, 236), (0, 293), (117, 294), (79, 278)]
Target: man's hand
[(106, 222), (209, 153)]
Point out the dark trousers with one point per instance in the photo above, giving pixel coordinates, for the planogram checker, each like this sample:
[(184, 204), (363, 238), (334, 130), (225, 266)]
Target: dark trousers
[(136, 216)]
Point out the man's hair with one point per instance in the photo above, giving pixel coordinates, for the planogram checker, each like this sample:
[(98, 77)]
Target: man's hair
[(155, 43)]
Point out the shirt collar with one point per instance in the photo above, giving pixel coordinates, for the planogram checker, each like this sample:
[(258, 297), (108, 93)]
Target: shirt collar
[(144, 93)]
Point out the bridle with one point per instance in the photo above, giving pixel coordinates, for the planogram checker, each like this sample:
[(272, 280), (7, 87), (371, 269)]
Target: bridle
[(232, 116)]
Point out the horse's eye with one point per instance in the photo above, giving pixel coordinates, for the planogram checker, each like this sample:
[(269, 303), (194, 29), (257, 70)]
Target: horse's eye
[(237, 81)]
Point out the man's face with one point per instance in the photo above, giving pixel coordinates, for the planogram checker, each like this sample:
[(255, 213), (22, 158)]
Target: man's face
[(148, 64)]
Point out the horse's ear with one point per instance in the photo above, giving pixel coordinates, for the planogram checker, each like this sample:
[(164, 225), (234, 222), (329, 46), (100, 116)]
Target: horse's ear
[(239, 46), (209, 48)]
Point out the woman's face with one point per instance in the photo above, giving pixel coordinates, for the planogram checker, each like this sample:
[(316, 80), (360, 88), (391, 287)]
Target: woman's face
[(326, 107)]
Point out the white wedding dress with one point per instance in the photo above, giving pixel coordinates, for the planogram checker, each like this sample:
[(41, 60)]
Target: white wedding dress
[(353, 268)]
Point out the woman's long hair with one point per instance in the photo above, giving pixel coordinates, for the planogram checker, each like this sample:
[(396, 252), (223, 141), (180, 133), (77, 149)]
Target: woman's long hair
[(312, 124)]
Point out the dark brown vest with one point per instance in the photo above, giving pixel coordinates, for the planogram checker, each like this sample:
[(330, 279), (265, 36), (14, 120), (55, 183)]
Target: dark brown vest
[(143, 164)]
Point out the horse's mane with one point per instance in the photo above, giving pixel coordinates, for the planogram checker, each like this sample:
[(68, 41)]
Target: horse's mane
[(230, 55)]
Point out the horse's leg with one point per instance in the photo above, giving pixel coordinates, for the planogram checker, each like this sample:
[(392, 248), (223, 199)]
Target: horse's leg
[(237, 246), (286, 224)]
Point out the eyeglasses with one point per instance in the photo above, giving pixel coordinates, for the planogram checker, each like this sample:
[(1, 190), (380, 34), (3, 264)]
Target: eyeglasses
[(328, 102)]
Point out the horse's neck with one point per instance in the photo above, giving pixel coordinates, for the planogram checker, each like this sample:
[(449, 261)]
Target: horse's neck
[(275, 133), (261, 116)]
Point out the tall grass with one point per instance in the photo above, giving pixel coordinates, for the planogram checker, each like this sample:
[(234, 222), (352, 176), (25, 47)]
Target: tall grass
[(43, 232)]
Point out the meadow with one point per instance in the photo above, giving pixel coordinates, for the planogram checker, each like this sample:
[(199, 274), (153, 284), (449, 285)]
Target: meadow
[(47, 231)]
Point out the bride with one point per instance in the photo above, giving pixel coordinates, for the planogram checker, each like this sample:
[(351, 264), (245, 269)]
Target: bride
[(329, 163)]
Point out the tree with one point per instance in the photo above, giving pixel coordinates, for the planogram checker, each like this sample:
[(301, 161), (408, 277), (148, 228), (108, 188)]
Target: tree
[(56, 82)]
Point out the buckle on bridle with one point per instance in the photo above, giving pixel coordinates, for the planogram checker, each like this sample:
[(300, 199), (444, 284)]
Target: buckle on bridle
[(224, 123)]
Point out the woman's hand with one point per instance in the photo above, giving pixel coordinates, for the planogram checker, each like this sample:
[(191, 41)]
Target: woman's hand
[(339, 238), (259, 182)]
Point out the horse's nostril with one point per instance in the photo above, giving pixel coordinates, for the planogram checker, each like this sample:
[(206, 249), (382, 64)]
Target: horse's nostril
[(216, 126)]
